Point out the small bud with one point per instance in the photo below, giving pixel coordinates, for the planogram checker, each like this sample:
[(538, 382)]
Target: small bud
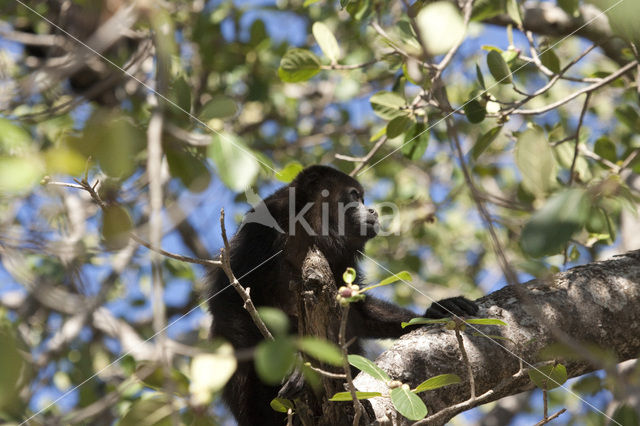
[(394, 384), (345, 291)]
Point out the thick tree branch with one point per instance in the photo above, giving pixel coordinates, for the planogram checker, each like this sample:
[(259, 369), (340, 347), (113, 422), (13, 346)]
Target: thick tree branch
[(595, 304)]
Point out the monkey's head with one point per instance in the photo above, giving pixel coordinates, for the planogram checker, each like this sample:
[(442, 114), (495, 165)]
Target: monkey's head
[(332, 204)]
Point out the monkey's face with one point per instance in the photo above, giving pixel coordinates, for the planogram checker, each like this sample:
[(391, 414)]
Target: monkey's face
[(360, 221)]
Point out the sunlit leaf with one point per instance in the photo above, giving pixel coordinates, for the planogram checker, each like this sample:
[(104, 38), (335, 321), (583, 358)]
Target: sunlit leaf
[(13, 138), (441, 26), (367, 366), (548, 376), (204, 384), (276, 321), (20, 174), (437, 382), (422, 321), (408, 403), (274, 359), (535, 161), (321, 350), (289, 172), (326, 40), (235, 163), (388, 105), (485, 321), (281, 405), (346, 396)]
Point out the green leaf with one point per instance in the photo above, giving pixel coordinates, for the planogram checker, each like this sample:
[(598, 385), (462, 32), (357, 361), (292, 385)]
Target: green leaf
[(13, 138), (191, 170), (570, 7), (236, 165), (346, 396), (421, 321), (513, 10), (408, 403), (480, 77), (551, 227), (155, 410), (416, 142), (276, 321), (281, 405), (388, 105), (534, 158), (298, 65), (437, 382), (349, 275), (274, 359), (625, 415), (20, 174), (486, 9), (203, 384), (181, 94), (289, 172), (321, 350), (474, 111), (498, 67), (628, 115), (398, 126), (441, 26), (116, 225), (484, 141), (485, 321), (606, 149), (550, 60), (327, 41), (367, 366), (13, 366), (548, 377), (400, 276), (220, 106)]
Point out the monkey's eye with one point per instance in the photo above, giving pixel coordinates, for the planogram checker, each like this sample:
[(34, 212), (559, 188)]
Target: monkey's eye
[(354, 194)]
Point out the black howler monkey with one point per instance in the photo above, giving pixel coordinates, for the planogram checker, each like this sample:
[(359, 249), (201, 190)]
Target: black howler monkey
[(322, 207)]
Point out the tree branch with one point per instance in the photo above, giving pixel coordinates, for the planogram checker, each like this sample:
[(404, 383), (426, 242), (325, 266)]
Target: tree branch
[(588, 303)]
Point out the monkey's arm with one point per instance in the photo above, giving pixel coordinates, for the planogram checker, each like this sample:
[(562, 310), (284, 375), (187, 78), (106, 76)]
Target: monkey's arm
[(375, 318)]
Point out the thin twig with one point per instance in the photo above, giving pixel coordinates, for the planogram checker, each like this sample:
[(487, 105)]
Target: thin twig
[(364, 160), (357, 406), (577, 147), (243, 292), (326, 373), (84, 185), (548, 419)]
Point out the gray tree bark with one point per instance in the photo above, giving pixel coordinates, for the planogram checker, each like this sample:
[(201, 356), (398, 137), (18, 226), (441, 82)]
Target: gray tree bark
[(595, 306)]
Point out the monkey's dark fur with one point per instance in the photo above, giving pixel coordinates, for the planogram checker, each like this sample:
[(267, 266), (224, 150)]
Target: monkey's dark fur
[(280, 255)]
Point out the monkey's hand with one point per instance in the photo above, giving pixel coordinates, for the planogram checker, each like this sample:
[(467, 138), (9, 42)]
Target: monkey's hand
[(445, 308), (293, 386)]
